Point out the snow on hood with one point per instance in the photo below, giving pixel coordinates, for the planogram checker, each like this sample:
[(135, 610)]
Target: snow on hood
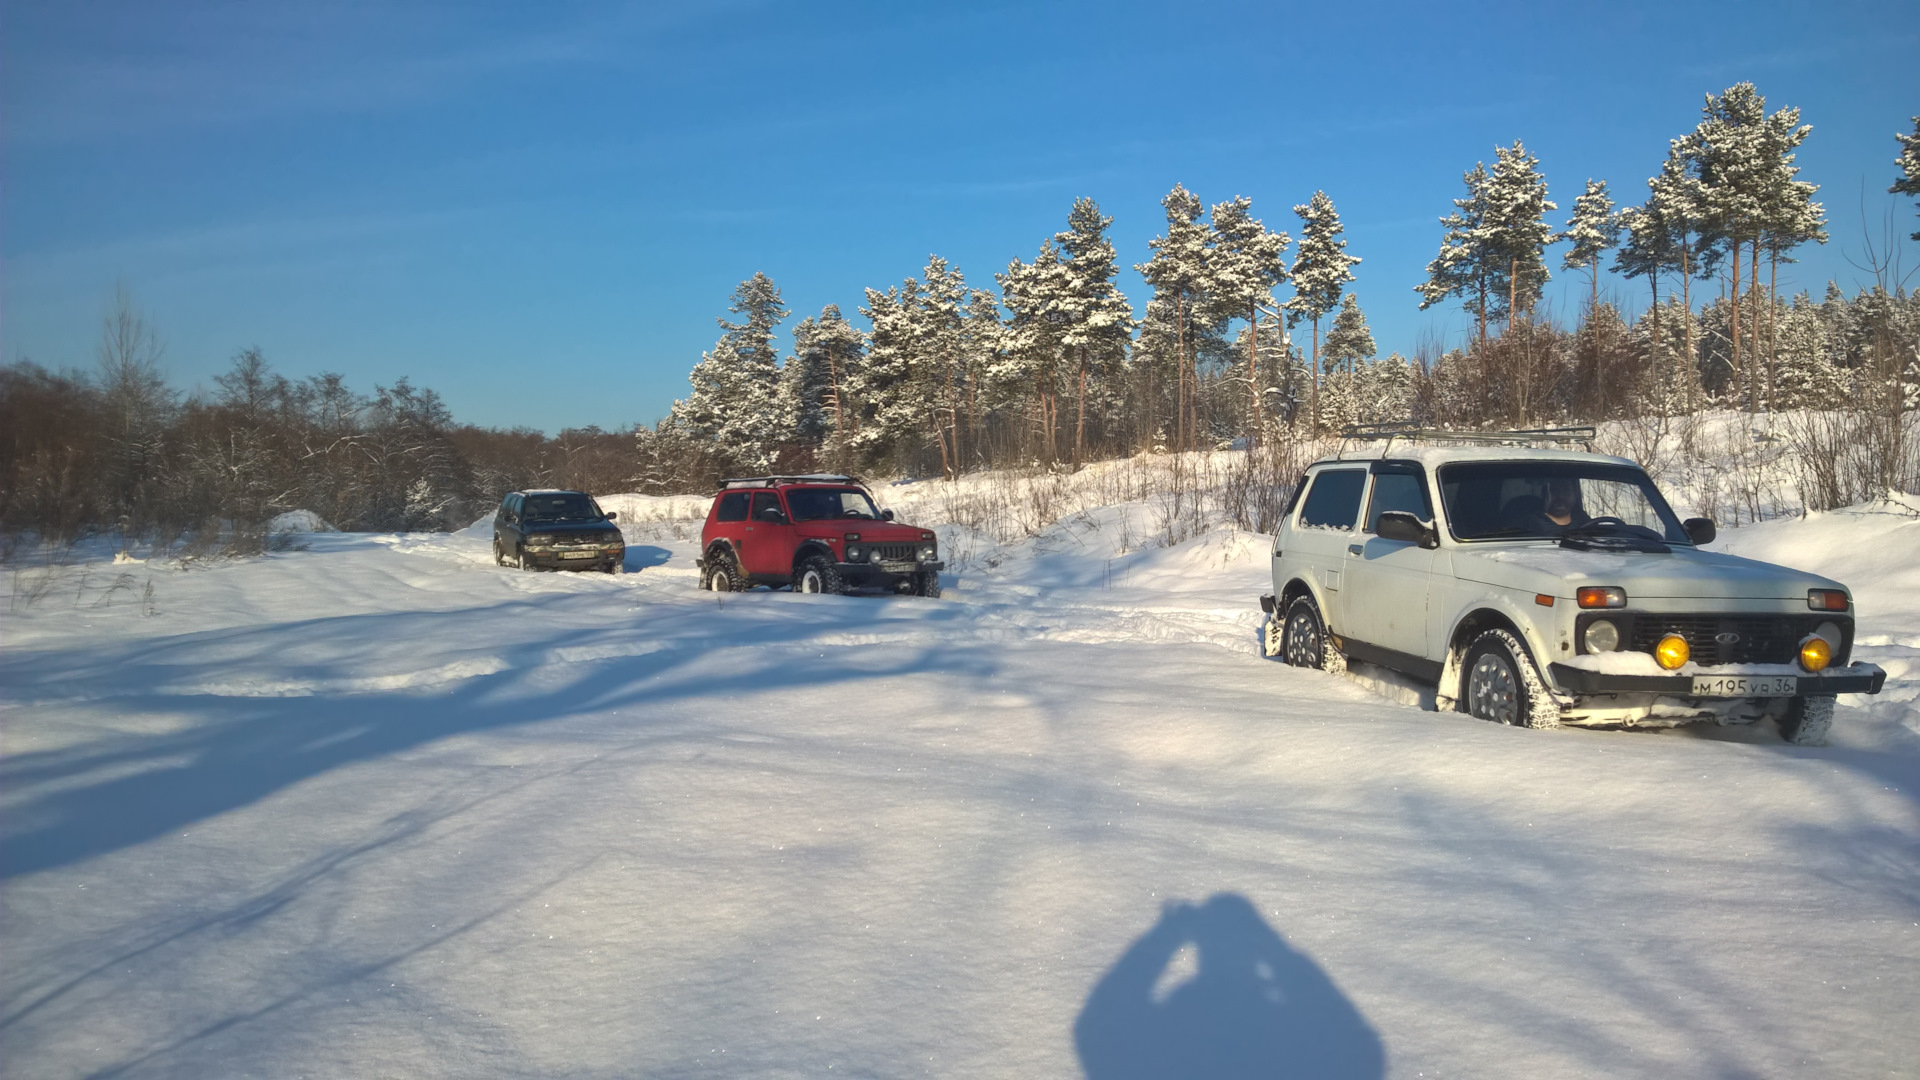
[(1685, 573)]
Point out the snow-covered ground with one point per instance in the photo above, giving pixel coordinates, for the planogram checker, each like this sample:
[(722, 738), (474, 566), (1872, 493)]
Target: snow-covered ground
[(379, 808)]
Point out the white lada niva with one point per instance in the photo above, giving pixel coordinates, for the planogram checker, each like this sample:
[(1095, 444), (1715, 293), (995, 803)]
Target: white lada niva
[(1545, 586)]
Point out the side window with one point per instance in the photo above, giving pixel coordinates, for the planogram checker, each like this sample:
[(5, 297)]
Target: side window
[(1333, 502), (733, 507), (764, 500), (1398, 491)]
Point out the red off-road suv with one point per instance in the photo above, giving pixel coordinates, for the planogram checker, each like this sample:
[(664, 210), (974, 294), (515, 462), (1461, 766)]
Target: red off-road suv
[(817, 534)]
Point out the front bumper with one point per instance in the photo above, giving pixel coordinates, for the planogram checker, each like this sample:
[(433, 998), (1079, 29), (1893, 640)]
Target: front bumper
[(1856, 678), (575, 558), (869, 571)]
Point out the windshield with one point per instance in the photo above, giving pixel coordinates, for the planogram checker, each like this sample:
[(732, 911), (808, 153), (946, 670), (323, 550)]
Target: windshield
[(817, 504), (567, 506), (1501, 500)]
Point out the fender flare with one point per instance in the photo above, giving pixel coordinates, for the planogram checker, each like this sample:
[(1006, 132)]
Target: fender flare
[(1487, 613), (810, 548)]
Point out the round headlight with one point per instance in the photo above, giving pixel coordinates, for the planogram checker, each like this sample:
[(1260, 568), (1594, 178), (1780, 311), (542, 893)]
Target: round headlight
[(926, 553), (874, 555), (1815, 653), (1672, 652), (1601, 636)]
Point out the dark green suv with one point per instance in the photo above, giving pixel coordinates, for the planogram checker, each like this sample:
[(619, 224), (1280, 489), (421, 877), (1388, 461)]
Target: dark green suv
[(556, 530)]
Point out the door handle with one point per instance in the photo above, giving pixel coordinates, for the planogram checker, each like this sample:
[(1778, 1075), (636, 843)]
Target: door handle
[(1354, 549)]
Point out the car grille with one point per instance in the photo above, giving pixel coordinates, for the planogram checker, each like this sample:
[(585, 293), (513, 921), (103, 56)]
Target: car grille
[(1758, 639), (898, 552)]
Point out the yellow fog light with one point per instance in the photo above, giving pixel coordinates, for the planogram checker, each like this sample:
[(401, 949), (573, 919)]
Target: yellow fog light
[(1672, 652), (1815, 654)]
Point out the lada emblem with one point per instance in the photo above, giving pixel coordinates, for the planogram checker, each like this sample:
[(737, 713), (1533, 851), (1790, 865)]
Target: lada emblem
[(1726, 638)]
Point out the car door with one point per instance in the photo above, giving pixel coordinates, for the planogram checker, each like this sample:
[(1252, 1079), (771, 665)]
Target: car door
[(1387, 581), (512, 535), (765, 547), (1325, 527)]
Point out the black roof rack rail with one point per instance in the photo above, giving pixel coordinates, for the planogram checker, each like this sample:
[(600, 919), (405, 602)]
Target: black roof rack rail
[(802, 478), (1410, 432)]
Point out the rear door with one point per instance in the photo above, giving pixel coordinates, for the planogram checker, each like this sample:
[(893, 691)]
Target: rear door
[(767, 546), (1329, 516), (1387, 580)]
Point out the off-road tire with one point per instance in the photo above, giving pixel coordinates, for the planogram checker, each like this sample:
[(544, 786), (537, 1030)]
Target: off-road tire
[(1303, 640), (817, 574), (927, 583), (723, 574), (1808, 721), (1498, 682), (1272, 638)]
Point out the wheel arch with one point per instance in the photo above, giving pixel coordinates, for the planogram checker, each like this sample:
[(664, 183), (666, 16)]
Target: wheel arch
[(810, 548), (1489, 614)]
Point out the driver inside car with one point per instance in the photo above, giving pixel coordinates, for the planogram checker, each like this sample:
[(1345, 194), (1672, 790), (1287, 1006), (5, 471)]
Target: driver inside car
[(1563, 503)]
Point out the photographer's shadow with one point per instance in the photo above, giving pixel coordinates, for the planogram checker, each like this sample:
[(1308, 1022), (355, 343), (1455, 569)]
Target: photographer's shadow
[(1212, 992)]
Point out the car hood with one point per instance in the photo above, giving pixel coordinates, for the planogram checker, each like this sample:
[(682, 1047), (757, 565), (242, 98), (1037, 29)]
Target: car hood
[(1685, 573), (871, 532)]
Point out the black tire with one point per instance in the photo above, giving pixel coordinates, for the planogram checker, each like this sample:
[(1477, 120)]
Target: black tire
[(927, 583), (1498, 682), (520, 559), (1807, 721), (499, 557), (818, 574), (723, 574), (613, 566), (1303, 640)]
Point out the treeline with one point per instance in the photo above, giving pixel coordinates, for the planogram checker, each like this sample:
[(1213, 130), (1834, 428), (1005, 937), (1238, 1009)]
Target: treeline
[(119, 450), (1057, 365)]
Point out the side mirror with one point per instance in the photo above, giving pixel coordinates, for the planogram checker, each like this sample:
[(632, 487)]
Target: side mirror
[(773, 515), (1402, 526), (1700, 530), (886, 515), (611, 514)]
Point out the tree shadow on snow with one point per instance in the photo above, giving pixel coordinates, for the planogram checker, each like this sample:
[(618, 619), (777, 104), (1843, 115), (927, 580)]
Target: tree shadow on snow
[(1213, 993)]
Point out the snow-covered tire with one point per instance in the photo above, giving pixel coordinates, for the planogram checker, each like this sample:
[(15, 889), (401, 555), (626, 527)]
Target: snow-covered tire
[(818, 575), (1808, 721), (927, 583), (520, 559), (1303, 639), (723, 574), (1498, 682), (1271, 637), (615, 567), (499, 557)]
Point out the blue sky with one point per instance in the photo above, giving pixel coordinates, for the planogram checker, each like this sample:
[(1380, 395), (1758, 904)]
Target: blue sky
[(539, 209)]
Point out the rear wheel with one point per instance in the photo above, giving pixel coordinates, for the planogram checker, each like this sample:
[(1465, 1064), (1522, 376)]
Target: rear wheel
[(1303, 640), (1807, 721), (723, 574), (1498, 682), (818, 575)]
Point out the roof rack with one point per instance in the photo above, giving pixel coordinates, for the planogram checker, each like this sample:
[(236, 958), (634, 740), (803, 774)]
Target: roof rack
[(772, 481), (1409, 432)]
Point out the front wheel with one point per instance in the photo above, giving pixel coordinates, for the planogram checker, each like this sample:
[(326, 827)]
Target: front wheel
[(1499, 683), (927, 583), (520, 560), (817, 575), (1807, 721)]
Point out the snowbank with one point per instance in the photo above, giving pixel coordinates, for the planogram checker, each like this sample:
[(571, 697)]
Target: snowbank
[(298, 521)]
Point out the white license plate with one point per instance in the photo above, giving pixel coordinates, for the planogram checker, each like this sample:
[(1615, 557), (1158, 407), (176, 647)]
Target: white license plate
[(578, 554), (1745, 686)]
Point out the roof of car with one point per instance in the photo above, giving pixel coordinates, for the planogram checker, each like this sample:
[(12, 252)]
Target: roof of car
[(1439, 455), (549, 491), (788, 481)]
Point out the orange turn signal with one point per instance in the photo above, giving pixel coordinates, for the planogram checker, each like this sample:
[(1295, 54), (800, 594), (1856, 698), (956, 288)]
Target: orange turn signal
[(1543, 599), (1827, 600), (1594, 596)]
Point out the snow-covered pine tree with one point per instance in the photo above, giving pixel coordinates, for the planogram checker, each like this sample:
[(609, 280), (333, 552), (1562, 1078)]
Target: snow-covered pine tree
[(1248, 262), (1349, 345), (1517, 229), (1321, 270), (1181, 274), (1098, 321), (833, 346), (1463, 269), (1039, 301), (735, 400), (1727, 153), (1909, 162), (1788, 216), (1593, 229), (884, 379)]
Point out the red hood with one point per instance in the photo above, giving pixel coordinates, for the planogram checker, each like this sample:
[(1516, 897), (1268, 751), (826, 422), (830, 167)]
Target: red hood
[(872, 532)]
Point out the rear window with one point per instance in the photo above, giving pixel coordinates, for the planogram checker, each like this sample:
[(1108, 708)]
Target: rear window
[(733, 507), (1333, 502)]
